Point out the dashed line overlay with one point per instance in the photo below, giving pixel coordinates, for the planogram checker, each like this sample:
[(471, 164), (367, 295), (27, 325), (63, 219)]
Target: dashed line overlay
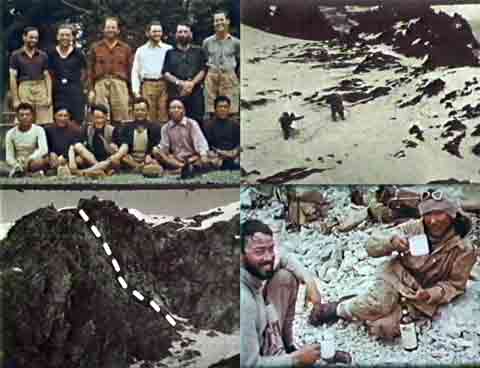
[(121, 279)]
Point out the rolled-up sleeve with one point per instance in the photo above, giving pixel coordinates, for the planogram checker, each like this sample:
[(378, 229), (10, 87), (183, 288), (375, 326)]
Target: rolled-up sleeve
[(10, 149), (136, 67), (290, 263), (42, 148), (199, 141), (164, 144)]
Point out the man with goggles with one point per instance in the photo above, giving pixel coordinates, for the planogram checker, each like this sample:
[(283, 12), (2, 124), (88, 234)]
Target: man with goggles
[(420, 282), (268, 292)]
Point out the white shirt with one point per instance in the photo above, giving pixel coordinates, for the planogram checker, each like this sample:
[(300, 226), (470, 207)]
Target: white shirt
[(148, 63), (30, 145)]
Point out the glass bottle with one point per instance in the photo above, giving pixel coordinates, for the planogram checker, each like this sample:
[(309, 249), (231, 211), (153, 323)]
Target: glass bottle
[(408, 330)]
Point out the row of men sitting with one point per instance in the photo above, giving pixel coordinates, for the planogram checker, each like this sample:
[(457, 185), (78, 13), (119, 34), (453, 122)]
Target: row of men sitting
[(178, 147), (112, 72)]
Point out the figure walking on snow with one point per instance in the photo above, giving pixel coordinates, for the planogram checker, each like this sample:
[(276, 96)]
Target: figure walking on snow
[(335, 101), (286, 120)]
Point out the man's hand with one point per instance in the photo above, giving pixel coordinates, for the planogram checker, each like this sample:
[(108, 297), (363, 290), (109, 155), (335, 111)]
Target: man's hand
[(187, 88), (204, 159), (307, 356), (91, 97), (422, 295), (313, 295), (400, 244), (148, 160), (16, 103)]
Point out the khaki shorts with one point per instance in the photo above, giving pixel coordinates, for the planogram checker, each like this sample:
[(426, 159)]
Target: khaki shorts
[(35, 93), (157, 96), (222, 84), (113, 93)]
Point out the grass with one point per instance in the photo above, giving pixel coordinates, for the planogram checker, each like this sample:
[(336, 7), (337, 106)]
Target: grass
[(227, 178)]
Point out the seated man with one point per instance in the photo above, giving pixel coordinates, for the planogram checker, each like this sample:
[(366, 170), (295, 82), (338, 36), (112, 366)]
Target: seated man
[(26, 144), (419, 283), (268, 294), (60, 138), (98, 151), (183, 146), (137, 141), (223, 135)]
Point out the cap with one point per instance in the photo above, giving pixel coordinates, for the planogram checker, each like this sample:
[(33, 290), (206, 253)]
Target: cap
[(444, 205)]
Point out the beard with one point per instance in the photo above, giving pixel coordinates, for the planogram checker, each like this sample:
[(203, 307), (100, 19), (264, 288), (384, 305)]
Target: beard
[(255, 271), (183, 41)]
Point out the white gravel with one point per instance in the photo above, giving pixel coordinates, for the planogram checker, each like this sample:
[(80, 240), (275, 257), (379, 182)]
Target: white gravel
[(343, 268)]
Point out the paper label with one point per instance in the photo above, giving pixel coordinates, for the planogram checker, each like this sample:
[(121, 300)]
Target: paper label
[(418, 245), (409, 335)]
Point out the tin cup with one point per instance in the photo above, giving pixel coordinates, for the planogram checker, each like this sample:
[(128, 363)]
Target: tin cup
[(418, 245)]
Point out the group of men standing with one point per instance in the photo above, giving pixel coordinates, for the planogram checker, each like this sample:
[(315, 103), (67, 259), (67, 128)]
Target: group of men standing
[(171, 108)]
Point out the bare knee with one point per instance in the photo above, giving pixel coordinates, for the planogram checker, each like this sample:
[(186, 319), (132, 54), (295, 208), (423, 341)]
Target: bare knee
[(78, 147), (80, 161)]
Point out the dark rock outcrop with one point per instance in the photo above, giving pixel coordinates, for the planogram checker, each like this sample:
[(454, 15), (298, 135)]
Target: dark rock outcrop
[(289, 18), (63, 305), (414, 29), (378, 61)]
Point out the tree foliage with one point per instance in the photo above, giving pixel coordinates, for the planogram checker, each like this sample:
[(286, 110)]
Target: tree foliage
[(134, 16)]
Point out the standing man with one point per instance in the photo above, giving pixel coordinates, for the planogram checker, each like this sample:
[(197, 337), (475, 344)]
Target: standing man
[(109, 69), (26, 143), (68, 68), (185, 69), (147, 78), (29, 78), (223, 52)]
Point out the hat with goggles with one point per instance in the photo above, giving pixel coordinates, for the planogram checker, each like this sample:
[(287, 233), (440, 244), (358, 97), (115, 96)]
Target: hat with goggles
[(437, 201)]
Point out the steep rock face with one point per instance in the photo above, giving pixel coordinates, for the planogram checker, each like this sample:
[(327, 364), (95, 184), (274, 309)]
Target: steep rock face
[(63, 305), (289, 18), (418, 31)]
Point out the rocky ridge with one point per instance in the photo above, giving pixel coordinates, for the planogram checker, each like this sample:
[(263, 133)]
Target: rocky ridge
[(64, 307)]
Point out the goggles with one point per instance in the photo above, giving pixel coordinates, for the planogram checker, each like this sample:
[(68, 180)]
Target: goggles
[(436, 195)]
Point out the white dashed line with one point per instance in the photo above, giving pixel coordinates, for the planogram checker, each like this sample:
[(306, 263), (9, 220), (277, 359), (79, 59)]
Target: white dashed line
[(83, 215), (154, 305), (122, 282), (121, 279), (137, 295), (115, 264), (171, 320), (95, 231), (107, 249)]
